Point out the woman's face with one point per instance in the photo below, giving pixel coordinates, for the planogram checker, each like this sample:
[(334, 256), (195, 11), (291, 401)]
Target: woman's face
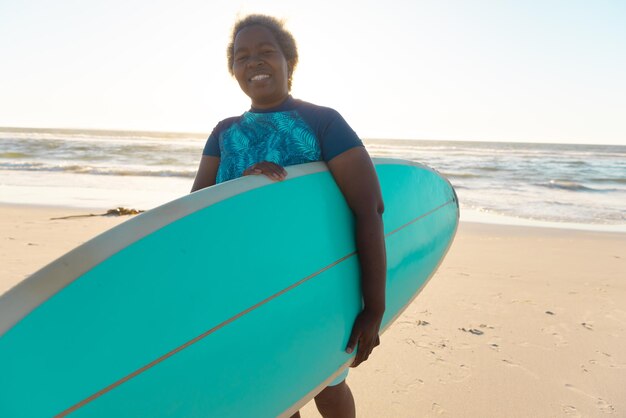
[(260, 67)]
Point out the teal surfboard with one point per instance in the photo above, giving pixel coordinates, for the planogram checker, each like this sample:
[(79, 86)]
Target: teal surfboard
[(234, 301)]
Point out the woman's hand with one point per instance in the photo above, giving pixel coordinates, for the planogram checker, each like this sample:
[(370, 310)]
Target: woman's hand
[(271, 170), (364, 336)]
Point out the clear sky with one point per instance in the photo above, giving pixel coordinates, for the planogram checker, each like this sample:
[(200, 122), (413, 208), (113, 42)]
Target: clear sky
[(538, 71)]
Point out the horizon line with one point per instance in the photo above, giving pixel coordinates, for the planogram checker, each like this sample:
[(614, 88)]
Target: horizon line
[(142, 132)]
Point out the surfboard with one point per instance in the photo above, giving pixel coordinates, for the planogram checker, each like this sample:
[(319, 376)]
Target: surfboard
[(233, 301)]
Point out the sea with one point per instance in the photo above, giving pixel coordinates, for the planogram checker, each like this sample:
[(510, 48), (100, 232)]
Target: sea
[(550, 185)]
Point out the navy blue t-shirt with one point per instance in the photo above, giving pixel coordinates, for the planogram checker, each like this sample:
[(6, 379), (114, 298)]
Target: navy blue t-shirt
[(295, 132)]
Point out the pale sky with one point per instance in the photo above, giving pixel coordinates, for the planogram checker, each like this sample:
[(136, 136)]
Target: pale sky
[(537, 71)]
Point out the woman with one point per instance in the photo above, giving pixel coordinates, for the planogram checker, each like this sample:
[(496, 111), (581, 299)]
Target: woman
[(279, 131)]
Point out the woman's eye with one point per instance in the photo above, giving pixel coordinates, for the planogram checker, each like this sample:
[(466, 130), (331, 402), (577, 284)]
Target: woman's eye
[(241, 58)]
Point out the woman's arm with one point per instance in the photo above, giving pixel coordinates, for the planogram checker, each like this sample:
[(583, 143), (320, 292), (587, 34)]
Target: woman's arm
[(207, 172), (354, 173)]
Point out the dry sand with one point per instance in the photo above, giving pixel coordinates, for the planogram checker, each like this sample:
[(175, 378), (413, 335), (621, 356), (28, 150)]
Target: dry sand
[(518, 321)]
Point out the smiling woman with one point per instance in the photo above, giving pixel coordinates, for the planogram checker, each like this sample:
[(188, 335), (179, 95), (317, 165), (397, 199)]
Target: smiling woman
[(280, 131), (260, 67)]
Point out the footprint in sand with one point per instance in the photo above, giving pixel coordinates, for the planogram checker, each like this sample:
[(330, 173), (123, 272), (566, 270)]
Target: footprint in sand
[(600, 403), (419, 344), (412, 323), (494, 346), (570, 411), (604, 406), (606, 360), (437, 409), (553, 330), (404, 387)]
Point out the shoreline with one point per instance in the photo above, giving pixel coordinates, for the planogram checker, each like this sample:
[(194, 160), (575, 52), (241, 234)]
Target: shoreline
[(469, 216), (472, 216), (518, 321)]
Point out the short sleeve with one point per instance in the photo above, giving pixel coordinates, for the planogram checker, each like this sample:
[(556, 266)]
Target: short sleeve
[(212, 146), (337, 136)]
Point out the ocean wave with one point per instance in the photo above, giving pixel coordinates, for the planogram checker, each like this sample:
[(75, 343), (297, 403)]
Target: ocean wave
[(490, 168), (573, 186), (452, 175), (571, 163), (620, 180), (102, 171)]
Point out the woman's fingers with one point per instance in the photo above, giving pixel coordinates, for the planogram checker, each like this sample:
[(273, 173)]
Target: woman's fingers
[(364, 350), (364, 336), (269, 169)]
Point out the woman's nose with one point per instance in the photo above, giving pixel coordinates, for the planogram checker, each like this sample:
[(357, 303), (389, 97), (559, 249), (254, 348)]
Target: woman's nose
[(254, 61)]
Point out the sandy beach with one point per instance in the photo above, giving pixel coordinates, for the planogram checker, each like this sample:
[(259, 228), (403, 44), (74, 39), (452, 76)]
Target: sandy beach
[(517, 322)]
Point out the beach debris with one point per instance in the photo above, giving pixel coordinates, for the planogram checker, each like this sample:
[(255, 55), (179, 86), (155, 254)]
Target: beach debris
[(472, 331), (119, 211), (485, 326), (122, 211), (550, 312), (588, 326), (422, 323)]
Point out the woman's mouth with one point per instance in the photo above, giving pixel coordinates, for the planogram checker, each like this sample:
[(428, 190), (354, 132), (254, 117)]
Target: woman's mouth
[(259, 77)]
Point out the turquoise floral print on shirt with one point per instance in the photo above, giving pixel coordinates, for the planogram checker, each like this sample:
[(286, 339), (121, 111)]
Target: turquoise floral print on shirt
[(279, 137)]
